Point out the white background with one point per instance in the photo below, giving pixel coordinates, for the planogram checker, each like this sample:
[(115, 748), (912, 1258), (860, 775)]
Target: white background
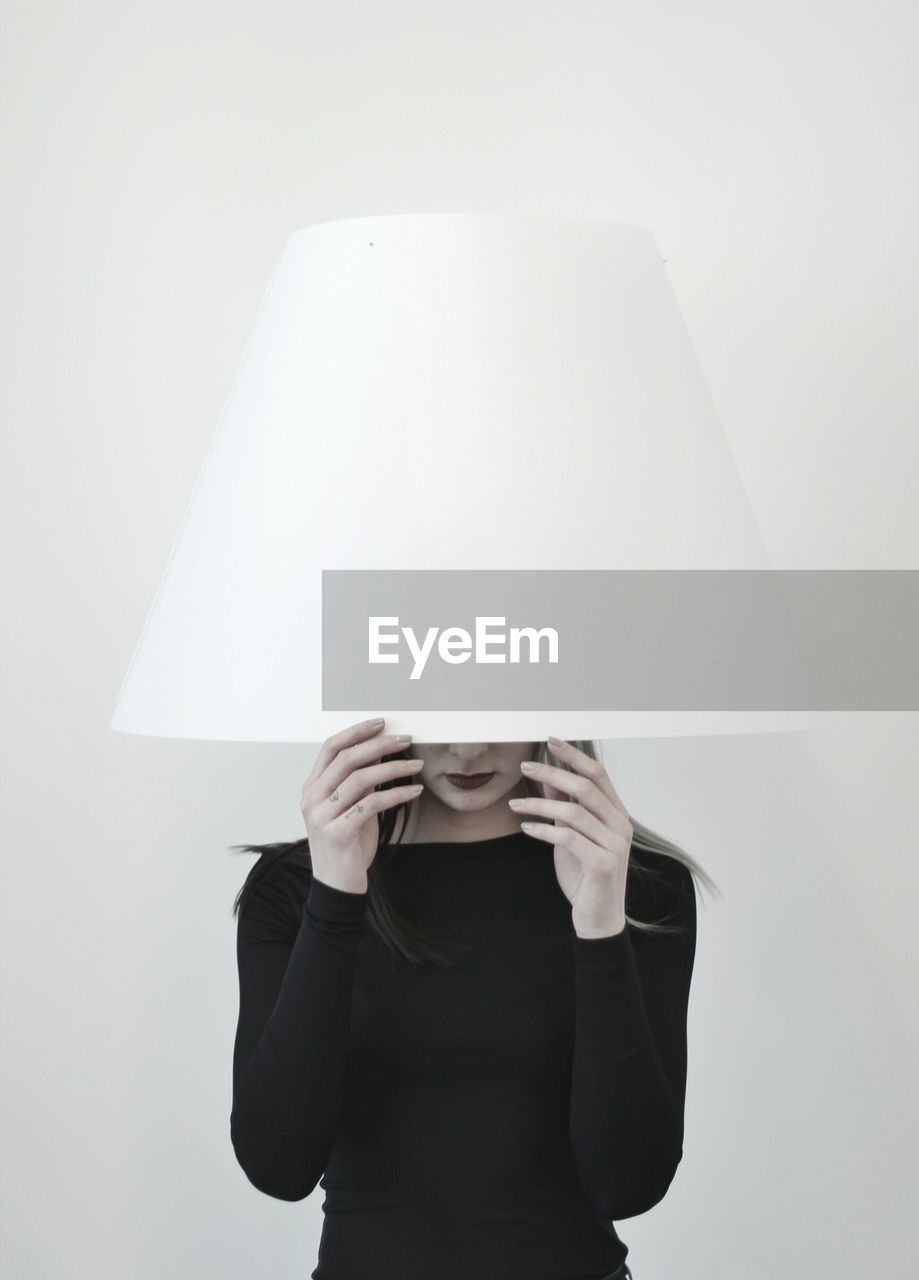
[(153, 161)]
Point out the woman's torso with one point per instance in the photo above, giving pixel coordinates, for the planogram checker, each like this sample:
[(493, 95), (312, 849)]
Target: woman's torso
[(453, 1155)]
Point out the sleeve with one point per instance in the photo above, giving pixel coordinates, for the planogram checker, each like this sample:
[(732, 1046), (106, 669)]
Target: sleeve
[(629, 1065), (296, 981)]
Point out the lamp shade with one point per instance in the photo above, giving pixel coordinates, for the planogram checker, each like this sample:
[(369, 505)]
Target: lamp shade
[(440, 393)]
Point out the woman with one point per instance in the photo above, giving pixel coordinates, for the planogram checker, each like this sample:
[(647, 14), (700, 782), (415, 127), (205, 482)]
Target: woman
[(472, 1036)]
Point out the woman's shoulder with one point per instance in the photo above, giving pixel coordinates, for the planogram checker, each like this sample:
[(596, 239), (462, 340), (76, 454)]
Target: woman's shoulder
[(292, 871), (660, 888), (299, 857), (277, 889)]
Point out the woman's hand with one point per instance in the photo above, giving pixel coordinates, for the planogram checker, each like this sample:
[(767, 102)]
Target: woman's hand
[(340, 806), (592, 835)]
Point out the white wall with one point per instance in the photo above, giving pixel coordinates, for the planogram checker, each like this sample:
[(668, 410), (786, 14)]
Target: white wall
[(153, 161)]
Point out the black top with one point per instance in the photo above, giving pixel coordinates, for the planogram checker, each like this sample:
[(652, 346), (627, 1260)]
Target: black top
[(487, 1120)]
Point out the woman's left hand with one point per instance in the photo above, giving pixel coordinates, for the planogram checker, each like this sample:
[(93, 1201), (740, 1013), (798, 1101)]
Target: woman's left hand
[(592, 835)]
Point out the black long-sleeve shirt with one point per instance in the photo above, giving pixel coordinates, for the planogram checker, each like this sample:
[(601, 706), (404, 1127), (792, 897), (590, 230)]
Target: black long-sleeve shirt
[(487, 1121)]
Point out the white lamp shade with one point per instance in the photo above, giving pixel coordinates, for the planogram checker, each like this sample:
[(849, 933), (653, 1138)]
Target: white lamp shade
[(438, 391)]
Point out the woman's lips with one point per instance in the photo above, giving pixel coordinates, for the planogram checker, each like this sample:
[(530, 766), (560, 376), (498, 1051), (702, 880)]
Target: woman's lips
[(469, 781)]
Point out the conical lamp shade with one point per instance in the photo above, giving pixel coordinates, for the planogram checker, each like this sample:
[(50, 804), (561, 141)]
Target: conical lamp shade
[(439, 392)]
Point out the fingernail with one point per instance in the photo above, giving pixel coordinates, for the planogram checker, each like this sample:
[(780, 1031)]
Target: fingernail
[(528, 765)]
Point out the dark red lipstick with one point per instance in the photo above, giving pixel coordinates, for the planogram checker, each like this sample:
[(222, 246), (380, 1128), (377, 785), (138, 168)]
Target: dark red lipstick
[(469, 781)]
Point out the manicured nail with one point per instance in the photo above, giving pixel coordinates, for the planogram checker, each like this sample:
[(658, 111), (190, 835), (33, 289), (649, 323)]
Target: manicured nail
[(528, 765), (380, 721), (515, 804), (556, 742), (402, 737)]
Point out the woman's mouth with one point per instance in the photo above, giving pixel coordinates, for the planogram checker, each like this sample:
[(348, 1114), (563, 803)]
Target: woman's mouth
[(469, 781)]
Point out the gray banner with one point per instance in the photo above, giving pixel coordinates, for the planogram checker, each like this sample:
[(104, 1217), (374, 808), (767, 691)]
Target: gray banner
[(631, 640)]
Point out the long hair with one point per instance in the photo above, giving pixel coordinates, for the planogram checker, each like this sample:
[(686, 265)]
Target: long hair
[(404, 939)]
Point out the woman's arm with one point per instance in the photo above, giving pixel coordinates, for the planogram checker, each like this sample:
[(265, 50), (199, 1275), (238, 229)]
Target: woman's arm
[(629, 1068), (296, 978)]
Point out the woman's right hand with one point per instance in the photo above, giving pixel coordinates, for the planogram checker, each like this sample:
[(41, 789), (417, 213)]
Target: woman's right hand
[(340, 806)]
